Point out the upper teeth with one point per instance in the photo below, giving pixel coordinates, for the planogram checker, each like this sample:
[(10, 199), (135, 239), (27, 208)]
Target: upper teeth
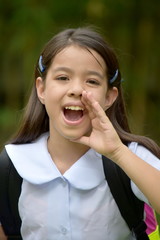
[(76, 108)]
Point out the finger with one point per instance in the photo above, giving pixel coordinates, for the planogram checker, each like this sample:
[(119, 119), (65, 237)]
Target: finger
[(89, 100), (88, 105), (99, 112), (95, 107), (88, 97)]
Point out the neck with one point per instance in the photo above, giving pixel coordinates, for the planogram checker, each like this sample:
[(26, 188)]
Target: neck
[(64, 152)]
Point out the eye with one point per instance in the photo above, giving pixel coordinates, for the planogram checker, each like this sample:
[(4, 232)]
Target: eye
[(93, 82), (62, 78)]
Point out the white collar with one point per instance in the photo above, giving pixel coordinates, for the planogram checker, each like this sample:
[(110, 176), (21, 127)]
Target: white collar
[(34, 164)]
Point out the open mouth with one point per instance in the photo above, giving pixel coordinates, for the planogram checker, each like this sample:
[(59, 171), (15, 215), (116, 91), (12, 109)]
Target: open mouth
[(73, 113)]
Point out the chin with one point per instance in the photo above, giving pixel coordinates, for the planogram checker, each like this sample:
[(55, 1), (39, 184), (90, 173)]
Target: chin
[(73, 137), (76, 135)]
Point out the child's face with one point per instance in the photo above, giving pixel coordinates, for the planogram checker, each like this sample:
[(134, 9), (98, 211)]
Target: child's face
[(73, 70)]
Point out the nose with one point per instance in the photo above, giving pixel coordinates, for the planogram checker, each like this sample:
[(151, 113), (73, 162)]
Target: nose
[(75, 89)]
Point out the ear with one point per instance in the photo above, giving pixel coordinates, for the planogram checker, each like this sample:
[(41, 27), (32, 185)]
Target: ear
[(111, 96), (40, 86)]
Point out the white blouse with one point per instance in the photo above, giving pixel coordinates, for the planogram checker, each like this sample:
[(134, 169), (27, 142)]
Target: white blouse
[(75, 206)]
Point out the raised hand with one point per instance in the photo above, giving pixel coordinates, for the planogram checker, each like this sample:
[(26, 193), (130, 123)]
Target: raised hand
[(103, 138)]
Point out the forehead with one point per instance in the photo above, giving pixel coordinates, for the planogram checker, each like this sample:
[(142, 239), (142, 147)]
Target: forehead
[(80, 55)]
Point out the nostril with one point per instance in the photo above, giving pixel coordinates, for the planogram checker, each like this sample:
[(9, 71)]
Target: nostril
[(75, 94), (75, 89)]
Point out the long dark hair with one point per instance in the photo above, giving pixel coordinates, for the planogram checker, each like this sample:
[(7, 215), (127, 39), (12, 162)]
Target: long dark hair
[(36, 121)]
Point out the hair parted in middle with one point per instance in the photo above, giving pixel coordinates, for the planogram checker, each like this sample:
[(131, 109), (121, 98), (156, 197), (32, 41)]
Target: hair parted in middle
[(36, 120)]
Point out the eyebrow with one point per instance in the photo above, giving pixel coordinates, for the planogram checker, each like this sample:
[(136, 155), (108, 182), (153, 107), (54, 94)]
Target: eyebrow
[(89, 72), (66, 69), (95, 73)]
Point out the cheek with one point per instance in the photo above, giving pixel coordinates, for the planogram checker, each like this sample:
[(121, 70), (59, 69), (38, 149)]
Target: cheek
[(51, 94), (100, 97)]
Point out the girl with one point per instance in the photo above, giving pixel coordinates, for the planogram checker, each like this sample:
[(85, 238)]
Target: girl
[(75, 115)]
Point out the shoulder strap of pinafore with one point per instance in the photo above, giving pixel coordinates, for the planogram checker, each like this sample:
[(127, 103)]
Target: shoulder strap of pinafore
[(10, 188), (130, 207)]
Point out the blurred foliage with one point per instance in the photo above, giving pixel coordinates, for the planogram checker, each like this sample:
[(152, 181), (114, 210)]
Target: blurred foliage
[(132, 28)]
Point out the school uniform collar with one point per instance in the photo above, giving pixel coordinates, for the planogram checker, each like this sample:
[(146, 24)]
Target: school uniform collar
[(34, 164)]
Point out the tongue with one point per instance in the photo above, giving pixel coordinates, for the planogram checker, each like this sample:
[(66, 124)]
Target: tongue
[(73, 115)]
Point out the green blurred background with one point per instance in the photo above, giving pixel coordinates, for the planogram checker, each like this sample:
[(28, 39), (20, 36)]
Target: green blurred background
[(132, 27)]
